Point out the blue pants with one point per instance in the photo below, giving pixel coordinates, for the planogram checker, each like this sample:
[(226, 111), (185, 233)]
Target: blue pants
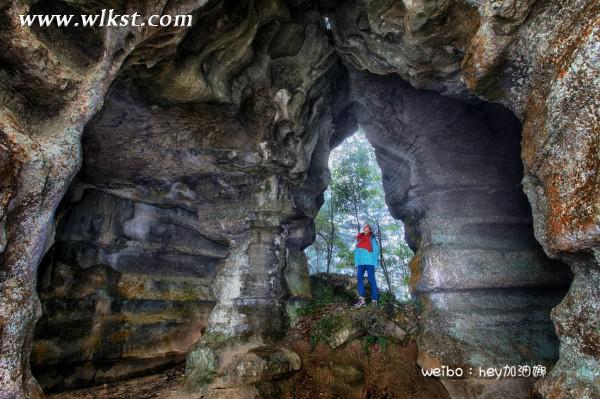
[(372, 282)]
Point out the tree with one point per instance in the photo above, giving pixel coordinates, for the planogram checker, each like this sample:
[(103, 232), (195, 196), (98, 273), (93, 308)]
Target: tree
[(356, 195), (352, 179), (325, 228)]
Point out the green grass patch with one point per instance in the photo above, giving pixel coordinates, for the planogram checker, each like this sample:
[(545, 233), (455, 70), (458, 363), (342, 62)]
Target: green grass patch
[(322, 295), (321, 330)]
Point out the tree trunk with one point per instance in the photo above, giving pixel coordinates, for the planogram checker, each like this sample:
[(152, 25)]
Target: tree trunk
[(356, 216), (404, 264), (318, 265), (381, 258), (332, 233)]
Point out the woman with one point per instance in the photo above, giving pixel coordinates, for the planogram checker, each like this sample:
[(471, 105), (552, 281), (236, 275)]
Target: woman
[(366, 258)]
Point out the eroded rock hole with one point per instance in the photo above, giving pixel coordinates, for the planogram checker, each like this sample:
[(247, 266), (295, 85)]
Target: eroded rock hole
[(355, 197), (452, 173)]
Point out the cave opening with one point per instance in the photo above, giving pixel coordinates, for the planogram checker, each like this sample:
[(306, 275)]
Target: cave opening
[(158, 217), (452, 174), (353, 198)]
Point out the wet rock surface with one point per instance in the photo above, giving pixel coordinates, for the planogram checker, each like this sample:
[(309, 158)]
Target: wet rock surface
[(205, 154)]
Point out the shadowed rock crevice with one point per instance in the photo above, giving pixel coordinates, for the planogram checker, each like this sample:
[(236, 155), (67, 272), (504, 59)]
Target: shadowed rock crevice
[(125, 289)]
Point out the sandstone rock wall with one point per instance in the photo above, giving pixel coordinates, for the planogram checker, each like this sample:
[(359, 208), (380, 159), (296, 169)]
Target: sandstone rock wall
[(125, 288), (195, 188), (52, 82), (538, 59), (451, 171)]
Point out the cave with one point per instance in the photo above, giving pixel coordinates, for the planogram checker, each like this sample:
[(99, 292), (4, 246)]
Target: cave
[(160, 187), (159, 205)]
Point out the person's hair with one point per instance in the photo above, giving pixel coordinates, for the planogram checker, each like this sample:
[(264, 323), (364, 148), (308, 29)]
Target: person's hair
[(369, 226)]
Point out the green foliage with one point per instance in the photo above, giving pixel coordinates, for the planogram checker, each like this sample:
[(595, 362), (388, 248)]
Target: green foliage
[(323, 294), (356, 197), (383, 343), (312, 307), (354, 179), (387, 298), (369, 341), (345, 254), (389, 303), (314, 340), (320, 331)]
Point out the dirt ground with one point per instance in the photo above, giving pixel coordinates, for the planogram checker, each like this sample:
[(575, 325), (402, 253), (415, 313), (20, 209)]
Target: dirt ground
[(357, 370), (385, 375), (152, 386), (392, 374), (383, 372)]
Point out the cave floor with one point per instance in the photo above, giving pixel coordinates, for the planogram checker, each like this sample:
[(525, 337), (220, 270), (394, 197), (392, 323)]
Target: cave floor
[(354, 370), (151, 386)]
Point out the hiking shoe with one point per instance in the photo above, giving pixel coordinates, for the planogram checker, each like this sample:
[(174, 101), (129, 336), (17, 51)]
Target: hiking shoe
[(360, 303), (374, 303)]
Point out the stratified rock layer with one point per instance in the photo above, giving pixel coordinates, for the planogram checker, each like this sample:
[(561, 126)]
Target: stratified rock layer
[(199, 195), (451, 172), (125, 289), (540, 60)]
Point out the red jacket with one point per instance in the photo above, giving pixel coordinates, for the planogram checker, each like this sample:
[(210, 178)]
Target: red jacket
[(364, 241)]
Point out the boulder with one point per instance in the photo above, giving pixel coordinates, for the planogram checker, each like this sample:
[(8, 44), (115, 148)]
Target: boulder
[(261, 364), (346, 374)]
